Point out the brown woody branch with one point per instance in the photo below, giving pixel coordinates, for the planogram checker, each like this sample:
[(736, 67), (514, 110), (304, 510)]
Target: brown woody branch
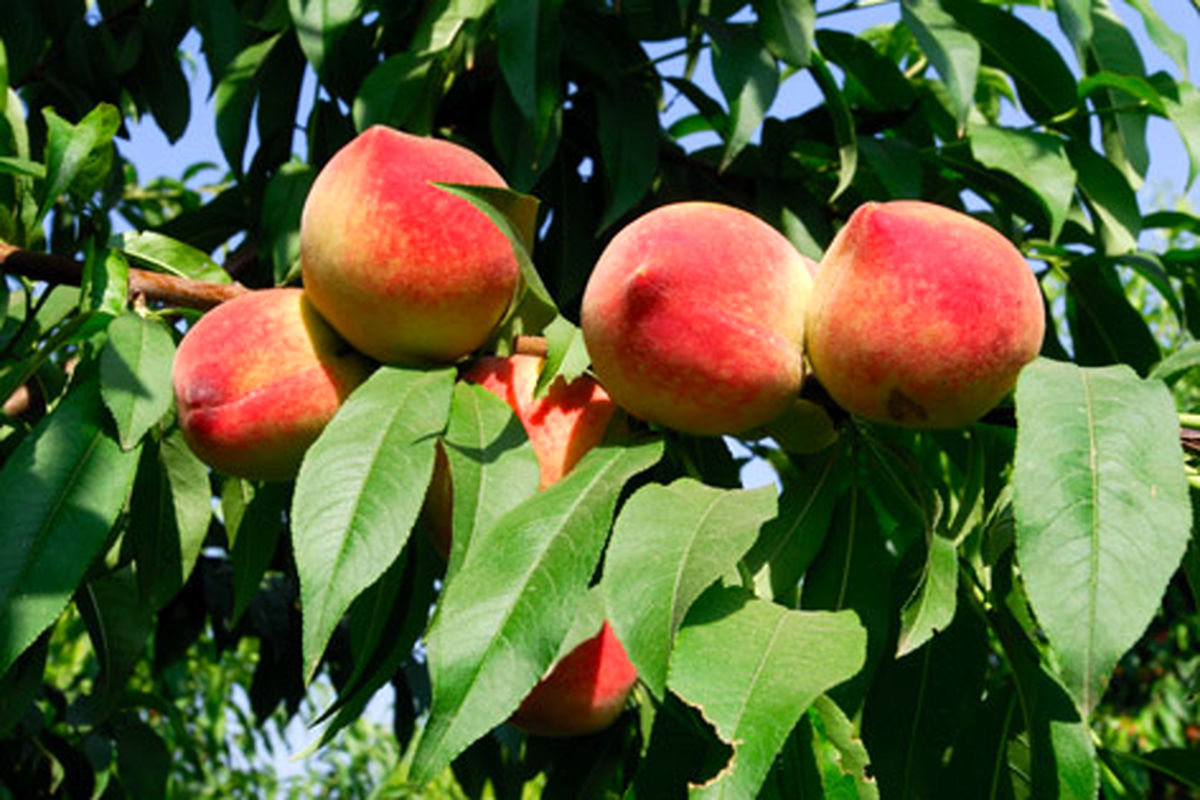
[(154, 286)]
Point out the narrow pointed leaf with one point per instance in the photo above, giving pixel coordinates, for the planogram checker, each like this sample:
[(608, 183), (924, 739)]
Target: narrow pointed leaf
[(954, 53), (1036, 160), (254, 535), (359, 491), (68, 147), (135, 374), (61, 491), (492, 466), (502, 617), (840, 754), (843, 125), (786, 27), (931, 606), (1102, 510), (319, 24), (752, 668), (748, 78), (668, 545)]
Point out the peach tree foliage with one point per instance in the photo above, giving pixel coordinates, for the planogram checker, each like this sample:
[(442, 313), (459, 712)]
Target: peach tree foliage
[(910, 614)]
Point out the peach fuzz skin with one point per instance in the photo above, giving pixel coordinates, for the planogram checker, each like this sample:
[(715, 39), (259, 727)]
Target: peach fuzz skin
[(694, 319), (256, 380), (922, 316), (562, 425), (406, 272), (583, 693)]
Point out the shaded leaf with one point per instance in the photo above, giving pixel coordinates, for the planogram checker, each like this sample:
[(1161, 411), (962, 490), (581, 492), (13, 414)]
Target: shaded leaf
[(786, 27), (319, 24), (68, 147), (748, 78), (954, 53), (1037, 160), (843, 125), (930, 608)]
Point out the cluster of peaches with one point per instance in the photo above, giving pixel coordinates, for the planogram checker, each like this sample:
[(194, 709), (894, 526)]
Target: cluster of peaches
[(698, 317)]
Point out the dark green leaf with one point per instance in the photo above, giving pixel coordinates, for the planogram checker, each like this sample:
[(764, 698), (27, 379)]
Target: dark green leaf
[(748, 78), (21, 684), (877, 74), (143, 761), (1105, 328), (1102, 509), (253, 531), (360, 488), (1114, 49), (320, 23), (104, 290), (135, 375), (1110, 197), (280, 224), (62, 490), (668, 545), (752, 668), (954, 53), (502, 617), (930, 608), (397, 93), (517, 51), (118, 624), (786, 27), (920, 702), (1075, 19), (629, 139), (1180, 765), (234, 98), (843, 125)]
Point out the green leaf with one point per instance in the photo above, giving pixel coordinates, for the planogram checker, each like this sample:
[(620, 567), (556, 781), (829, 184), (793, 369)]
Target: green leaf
[(1037, 160), (62, 490), (566, 355), (280, 222), (104, 290), (162, 80), (629, 140), (786, 27), (954, 53), (1178, 764), (135, 375), (1182, 104), (1170, 41), (319, 24), (787, 544), (752, 668), (1102, 510), (980, 755), (502, 617), (517, 52), (396, 93), (493, 468), (1104, 327), (749, 80), (1114, 49), (930, 608), (118, 625), (1075, 19), (1110, 197), (360, 488), (68, 148), (1062, 753), (854, 570), (21, 684), (11, 165), (171, 509), (143, 761), (1178, 363), (253, 529), (668, 545), (842, 758), (877, 74), (444, 20), (234, 99), (843, 125), (1045, 84), (164, 254), (919, 704)]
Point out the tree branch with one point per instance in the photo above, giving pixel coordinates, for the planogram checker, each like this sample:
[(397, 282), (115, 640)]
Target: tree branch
[(155, 286)]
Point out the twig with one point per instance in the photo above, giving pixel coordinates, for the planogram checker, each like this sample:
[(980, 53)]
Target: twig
[(156, 286)]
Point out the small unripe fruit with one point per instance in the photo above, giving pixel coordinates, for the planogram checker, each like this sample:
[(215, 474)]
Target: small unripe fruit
[(922, 316), (405, 271), (584, 692), (256, 380), (694, 319)]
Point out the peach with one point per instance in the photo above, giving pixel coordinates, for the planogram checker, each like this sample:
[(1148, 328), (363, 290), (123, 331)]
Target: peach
[(583, 693), (922, 316), (256, 380), (406, 272), (562, 425), (694, 319)]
